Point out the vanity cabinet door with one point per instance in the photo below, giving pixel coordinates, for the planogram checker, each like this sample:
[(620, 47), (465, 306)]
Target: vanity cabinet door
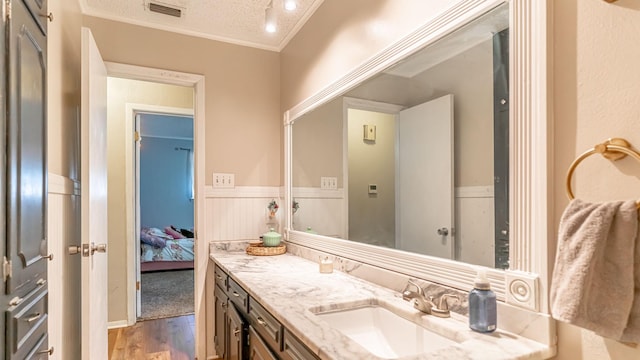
[(236, 334), (220, 329), (258, 350), (293, 349)]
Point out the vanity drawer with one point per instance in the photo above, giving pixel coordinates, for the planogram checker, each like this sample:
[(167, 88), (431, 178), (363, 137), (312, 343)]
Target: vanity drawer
[(26, 323), (221, 278), (238, 296), (41, 351), (265, 324), (294, 349)]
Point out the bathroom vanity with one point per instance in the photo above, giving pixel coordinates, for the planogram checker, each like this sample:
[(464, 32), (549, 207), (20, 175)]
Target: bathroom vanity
[(273, 307)]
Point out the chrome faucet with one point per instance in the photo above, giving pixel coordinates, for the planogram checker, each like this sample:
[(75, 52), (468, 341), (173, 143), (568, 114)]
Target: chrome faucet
[(427, 305)]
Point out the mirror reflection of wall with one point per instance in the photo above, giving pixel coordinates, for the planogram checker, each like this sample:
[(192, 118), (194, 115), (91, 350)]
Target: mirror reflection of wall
[(464, 64)]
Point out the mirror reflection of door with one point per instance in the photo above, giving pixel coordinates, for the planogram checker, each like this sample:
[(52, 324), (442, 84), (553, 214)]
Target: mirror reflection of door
[(400, 177), (425, 174)]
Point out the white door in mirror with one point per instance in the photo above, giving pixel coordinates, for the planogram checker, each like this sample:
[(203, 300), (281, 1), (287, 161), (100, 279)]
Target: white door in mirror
[(425, 178)]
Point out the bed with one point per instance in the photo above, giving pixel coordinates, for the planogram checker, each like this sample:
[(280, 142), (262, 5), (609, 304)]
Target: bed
[(161, 250)]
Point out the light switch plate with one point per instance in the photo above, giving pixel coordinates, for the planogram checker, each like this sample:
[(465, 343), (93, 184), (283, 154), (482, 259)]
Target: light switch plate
[(223, 181), (328, 183)]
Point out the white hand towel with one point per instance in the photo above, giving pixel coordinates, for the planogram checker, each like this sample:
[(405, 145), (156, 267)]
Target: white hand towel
[(596, 280)]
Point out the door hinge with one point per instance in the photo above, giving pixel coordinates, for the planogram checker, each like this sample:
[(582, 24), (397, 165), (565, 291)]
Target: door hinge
[(7, 269), (136, 136), (137, 285), (7, 7)]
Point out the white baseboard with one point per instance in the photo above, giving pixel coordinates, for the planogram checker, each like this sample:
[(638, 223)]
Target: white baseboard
[(117, 324)]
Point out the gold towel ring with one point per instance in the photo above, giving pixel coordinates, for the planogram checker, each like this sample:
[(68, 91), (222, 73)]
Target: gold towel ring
[(612, 149)]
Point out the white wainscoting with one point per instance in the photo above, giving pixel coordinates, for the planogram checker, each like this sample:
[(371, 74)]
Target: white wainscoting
[(241, 213), (63, 270), (321, 210), (475, 225)]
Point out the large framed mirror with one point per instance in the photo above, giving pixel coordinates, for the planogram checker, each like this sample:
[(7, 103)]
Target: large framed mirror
[(430, 159), (416, 157)]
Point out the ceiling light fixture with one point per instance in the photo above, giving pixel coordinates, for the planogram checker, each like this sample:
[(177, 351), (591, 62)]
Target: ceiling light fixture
[(290, 5), (270, 18)]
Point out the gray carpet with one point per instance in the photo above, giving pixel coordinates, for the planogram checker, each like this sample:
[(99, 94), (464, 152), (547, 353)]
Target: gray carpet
[(166, 294)]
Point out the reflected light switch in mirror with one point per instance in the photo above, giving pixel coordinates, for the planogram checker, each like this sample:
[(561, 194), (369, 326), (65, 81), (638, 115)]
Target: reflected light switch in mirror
[(369, 132)]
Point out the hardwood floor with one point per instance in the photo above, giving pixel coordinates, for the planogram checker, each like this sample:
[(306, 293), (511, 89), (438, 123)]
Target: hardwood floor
[(159, 339)]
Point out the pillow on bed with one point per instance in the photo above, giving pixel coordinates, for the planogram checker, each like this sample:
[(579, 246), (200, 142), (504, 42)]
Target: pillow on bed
[(174, 234), (157, 233), (152, 240)]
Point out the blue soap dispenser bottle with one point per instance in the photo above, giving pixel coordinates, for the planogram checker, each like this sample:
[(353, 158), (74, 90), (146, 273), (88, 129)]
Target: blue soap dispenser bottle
[(482, 305)]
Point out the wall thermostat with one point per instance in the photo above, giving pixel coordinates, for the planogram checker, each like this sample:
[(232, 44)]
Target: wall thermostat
[(369, 132), (373, 189)]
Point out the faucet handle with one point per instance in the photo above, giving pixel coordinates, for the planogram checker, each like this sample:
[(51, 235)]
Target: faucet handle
[(443, 304), (411, 283), (442, 310)]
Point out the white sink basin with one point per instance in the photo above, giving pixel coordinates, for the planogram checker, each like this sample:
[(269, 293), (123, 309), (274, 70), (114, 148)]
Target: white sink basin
[(384, 333)]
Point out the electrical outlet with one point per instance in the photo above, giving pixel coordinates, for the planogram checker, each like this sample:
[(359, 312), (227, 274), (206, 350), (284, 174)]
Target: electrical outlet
[(223, 181)]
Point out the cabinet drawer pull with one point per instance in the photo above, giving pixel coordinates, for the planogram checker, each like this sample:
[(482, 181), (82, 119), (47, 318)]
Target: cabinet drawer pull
[(224, 304), (34, 317), (236, 294), (219, 277), (236, 332), (50, 351), (261, 321)]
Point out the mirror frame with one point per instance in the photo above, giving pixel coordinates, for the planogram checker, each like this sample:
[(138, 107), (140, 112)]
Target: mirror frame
[(525, 284)]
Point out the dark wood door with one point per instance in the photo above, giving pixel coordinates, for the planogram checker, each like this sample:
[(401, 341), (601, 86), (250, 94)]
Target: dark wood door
[(25, 261), (258, 350), (235, 334), (220, 337)]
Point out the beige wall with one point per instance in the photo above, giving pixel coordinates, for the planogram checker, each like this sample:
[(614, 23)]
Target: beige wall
[(596, 96), (242, 87), (469, 77), (317, 146), (372, 218), (120, 156)]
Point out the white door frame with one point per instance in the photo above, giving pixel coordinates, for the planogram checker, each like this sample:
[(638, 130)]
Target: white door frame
[(132, 192), (200, 245)]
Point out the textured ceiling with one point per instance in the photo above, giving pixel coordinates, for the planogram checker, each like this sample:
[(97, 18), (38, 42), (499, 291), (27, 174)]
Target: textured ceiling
[(234, 21)]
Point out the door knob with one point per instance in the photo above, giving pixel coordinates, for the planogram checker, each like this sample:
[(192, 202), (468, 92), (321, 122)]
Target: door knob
[(101, 248), (74, 249), (443, 231), (86, 250)]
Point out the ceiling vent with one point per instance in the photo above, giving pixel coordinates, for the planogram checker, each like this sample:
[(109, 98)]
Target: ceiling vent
[(166, 10)]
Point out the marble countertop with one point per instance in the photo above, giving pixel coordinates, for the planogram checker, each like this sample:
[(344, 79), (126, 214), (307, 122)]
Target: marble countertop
[(290, 288)]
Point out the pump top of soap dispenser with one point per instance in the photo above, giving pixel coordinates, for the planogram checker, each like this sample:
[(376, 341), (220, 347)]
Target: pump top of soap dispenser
[(481, 282)]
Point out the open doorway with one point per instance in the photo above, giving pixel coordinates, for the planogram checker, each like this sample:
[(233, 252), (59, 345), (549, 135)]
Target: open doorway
[(123, 289), (164, 212)]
